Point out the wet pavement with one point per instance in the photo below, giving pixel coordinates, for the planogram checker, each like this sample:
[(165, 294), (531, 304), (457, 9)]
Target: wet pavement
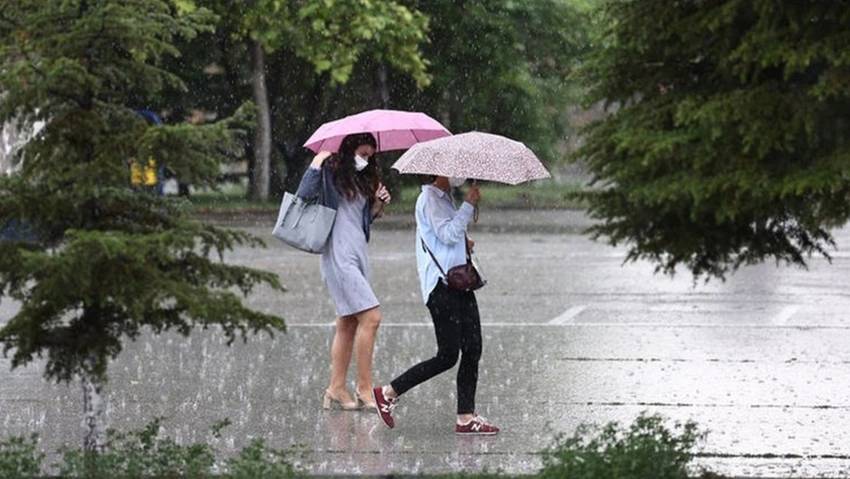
[(570, 336)]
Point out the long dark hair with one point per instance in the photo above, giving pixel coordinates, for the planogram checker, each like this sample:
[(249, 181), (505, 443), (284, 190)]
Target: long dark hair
[(349, 181)]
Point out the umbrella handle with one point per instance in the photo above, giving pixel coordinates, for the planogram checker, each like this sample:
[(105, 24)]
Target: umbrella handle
[(475, 215)]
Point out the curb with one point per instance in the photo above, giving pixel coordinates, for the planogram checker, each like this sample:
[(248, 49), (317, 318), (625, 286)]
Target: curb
[(503, 221)]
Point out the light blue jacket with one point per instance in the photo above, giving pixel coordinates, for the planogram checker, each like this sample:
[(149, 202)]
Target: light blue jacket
[(316, 181), (443, 228)]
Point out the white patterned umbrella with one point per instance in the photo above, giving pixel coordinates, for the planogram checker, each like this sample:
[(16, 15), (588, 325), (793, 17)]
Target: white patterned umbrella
[(474, 155)]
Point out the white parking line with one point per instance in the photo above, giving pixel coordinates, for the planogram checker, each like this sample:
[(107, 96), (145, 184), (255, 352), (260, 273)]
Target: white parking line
[(836, 326), (569, 315), (785, 314)]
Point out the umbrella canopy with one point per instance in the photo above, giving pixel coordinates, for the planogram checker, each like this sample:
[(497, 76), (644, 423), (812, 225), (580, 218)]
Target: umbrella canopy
[(475, 155), (394, 130)]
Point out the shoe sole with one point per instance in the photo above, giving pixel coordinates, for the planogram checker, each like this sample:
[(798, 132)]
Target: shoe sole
[(364, 406), (334, 405), (340, 408), (361, 404), (475, 433)]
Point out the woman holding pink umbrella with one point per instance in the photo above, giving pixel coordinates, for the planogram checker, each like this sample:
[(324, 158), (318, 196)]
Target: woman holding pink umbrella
[(351, 185), (349, 182)]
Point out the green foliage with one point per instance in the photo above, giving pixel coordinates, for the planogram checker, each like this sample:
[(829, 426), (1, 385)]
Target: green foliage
[(19, 457), (195, 153), (257, 460), (315, 52), (146, 453), (498, 65), (333, 35), (139, 454), (727, 144), (109, 260), (503, 66), (646, 449)]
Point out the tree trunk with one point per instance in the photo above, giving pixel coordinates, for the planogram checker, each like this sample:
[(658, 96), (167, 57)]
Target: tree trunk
[(13, 137), (259, 177), (294, 156), (383, 86), (277, 180), (294, 162), (94, 407), (183, 190), (445, 111), (7, 134)]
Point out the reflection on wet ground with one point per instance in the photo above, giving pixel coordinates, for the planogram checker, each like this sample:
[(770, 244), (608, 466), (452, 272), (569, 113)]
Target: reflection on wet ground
[(571, 336)]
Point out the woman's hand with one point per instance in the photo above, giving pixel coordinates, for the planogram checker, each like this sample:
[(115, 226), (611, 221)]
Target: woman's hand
[(382, 198), (470, 244), (473, 195), (320, 158), (383, 195)]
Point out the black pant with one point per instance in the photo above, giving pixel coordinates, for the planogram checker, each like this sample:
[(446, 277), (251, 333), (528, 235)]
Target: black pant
[(458, 329)]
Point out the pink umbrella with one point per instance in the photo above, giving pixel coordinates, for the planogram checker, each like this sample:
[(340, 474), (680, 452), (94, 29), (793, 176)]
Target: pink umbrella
[(394, 130)]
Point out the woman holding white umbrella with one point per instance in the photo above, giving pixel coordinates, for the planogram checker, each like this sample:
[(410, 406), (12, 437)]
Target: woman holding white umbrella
[(448, 278), (443, 245)]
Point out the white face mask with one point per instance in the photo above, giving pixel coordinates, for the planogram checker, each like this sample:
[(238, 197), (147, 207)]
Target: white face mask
[(360, 163), (456, 182)]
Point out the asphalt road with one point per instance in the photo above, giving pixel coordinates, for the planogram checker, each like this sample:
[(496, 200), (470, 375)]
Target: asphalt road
[(570, 336)]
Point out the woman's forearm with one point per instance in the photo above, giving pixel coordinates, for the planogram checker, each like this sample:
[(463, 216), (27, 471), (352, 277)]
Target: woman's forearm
[(311, 181), (377, 209), (310, 184)]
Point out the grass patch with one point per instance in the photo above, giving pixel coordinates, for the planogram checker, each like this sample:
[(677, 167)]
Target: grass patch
[(533, 196), (225, 202), (546, 195)]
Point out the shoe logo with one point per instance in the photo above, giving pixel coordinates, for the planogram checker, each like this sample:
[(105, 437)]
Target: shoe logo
[(385, 408), (476, 427)]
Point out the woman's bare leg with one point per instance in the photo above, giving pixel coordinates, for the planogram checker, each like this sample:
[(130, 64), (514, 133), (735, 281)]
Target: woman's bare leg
[(343, 342), (367, 330)]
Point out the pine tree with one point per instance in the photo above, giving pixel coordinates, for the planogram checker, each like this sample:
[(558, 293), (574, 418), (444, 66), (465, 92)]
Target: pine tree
[(729, 141), (109, 262)]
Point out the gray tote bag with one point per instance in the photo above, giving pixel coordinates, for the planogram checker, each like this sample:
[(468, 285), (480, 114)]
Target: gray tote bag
[(304, 225)]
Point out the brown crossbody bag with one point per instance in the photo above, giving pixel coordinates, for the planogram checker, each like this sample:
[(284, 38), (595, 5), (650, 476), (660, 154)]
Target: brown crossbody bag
[(460, 278)]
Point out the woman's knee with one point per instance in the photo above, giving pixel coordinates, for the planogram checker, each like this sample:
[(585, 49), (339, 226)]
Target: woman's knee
[(447, 358), (346, 325), (472, 351), (370, 319)]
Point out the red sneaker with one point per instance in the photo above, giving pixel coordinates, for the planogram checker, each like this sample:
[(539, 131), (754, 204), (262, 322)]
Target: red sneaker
[(384, 406), (477, 427)]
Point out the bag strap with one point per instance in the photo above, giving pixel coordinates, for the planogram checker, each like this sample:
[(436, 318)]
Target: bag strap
[(426, 248), (296, 202), (322, 186), (466, 247)]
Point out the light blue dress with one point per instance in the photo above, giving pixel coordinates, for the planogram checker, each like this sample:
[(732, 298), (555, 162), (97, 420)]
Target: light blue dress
[(345, 262)]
